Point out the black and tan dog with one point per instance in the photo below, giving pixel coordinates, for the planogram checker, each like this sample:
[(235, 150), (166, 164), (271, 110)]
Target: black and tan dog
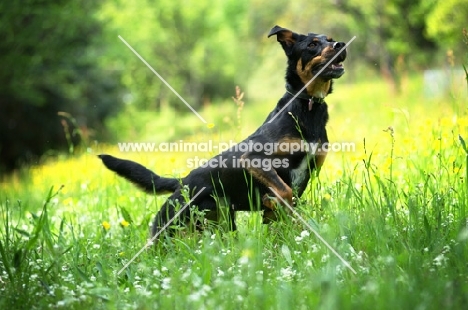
[(248, 178)]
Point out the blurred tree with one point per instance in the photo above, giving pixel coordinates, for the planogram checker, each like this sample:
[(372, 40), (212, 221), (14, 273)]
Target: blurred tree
[(392, 32), (66, 56), (198, 47), (49, 55), (446, 21)]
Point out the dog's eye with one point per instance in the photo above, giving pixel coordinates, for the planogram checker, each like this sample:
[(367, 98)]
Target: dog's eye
[(312, 44)]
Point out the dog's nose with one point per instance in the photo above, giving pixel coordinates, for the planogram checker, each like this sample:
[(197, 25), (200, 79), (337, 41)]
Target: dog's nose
[(338, 45)]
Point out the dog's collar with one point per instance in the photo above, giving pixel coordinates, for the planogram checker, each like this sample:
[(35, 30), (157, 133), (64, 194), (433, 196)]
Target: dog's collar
[(303, 95)]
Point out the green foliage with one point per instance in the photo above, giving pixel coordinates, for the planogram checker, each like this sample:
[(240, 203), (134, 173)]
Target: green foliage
[(194, 45), (49, 56), (410, 257), (401, 225), (446, 21), (397, 214), (388, 30), (66, 56), (22, 253)]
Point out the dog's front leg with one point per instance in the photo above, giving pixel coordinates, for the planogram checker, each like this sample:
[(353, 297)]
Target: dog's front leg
[(270, 178)]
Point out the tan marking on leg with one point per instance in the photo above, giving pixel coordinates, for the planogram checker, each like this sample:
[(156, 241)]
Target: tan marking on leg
[(269, 178), (288, 145), (319, 160)]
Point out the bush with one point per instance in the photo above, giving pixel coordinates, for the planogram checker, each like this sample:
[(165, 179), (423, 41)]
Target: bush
[(50, 63)]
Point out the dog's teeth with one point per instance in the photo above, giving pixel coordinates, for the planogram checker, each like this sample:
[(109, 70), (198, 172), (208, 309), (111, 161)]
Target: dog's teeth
[(338, 65)]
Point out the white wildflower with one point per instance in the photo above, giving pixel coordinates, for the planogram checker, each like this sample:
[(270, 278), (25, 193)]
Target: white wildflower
[(315, 248), (239, 283), (440, 260), (244, 260), (60, 303), (194, 297), (325, 258), (286, 274), (166, 283)]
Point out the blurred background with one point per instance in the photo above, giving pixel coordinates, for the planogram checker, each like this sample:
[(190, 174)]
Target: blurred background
[(68, 82)]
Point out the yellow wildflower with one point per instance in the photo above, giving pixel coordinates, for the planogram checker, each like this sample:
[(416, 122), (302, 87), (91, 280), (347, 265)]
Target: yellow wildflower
[(463, 121), (446, 122), (68, 201), (210, 125), (247, 253), (106, 225), (124, 223)]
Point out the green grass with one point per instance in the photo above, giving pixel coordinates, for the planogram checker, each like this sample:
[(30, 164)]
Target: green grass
[(395, 210)]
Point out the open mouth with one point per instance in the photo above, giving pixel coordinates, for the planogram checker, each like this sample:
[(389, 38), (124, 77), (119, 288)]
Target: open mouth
[(337, 66), (335, 69)]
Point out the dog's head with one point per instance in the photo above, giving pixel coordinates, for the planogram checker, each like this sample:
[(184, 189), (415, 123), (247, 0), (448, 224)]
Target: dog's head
[(309, 58)]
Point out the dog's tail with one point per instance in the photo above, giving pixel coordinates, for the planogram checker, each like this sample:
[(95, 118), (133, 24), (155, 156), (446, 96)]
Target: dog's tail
[(140, 176)]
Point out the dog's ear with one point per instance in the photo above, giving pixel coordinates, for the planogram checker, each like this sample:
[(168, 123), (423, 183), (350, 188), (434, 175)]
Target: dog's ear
[(286, 37)]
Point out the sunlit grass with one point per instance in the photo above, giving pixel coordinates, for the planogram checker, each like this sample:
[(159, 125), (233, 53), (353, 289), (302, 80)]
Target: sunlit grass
[(393, 208)]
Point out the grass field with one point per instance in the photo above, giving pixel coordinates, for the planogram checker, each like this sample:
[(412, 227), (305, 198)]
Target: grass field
[(395, 209)]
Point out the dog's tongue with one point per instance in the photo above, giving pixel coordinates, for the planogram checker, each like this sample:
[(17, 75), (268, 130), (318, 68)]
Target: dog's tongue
[(311, 102)]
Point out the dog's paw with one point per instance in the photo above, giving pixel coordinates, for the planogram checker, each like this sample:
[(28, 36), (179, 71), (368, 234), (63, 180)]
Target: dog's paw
[(273, 203), (269, 216), (270, 202)]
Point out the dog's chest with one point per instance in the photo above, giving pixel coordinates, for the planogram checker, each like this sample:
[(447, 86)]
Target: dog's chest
[(312, 121), (301, 174)]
